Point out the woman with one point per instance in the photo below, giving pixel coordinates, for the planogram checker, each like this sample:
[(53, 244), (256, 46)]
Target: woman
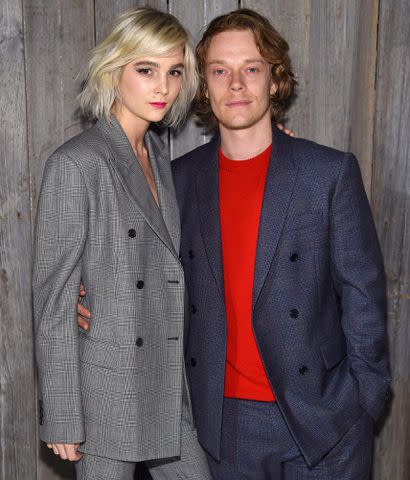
[(107, 215)]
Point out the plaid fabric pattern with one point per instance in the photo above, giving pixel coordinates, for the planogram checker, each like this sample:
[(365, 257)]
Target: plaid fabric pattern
[(319, 305), (118, 387)]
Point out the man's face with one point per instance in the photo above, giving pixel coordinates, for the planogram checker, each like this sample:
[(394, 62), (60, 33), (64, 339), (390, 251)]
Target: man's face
[(238, 80)]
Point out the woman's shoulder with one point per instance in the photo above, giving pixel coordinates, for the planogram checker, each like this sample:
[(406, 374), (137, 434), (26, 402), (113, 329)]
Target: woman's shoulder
[(85, 149)]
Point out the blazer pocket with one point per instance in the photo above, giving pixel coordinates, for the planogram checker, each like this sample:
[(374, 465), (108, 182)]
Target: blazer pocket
[(302, 221), (333, 352), (97, 352)]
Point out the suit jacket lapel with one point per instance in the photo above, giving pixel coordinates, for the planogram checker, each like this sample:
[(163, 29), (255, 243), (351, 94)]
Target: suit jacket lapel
[(280, 182), (132, 177), (207, 189), (161, 166)]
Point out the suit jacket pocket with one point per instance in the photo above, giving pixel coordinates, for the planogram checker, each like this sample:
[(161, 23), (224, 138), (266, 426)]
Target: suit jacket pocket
[(304, 220), (98, 352), (333, 351)]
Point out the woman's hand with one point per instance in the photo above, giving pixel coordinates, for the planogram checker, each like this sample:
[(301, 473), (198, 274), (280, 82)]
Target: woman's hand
[(83, 315), (67, 451), (289, 132)]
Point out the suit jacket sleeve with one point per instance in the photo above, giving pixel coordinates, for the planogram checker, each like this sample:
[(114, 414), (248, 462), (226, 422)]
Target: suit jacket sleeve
[(60, 235), (358, 275)]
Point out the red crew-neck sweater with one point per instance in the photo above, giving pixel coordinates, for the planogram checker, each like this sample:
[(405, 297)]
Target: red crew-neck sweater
[(241, 187)]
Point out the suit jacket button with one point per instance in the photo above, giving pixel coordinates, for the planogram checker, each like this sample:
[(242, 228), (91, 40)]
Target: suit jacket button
[(303, 369), (193, 362), (132, 233), (294, 257), (139, 342), (140, 284), (193, 309), (294, 313), (191, 254)]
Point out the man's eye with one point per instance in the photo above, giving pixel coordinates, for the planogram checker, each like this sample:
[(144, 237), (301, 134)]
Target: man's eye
[(144, 71), (253, 69), (175, 73)]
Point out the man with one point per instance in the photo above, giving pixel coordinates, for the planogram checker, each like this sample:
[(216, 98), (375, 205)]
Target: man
[(287, 349), (286, 342)]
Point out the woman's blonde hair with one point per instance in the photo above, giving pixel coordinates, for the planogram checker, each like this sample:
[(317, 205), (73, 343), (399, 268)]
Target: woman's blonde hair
[(138, 33)]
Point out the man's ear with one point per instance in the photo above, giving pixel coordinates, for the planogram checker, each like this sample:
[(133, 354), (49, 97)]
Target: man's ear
[(273, 88)]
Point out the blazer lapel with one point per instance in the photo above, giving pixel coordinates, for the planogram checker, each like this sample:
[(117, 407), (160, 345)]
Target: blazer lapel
[(161, 166), (280, 182), (207, 189), (132, 177)]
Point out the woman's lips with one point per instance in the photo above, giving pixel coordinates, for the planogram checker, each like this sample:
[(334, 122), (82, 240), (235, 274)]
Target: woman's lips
[(158, 105)]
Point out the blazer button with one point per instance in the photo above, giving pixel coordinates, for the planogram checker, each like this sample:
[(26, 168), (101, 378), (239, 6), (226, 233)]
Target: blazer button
[(193, 361), (140, 284), (132, 233), (191, 254), (193, 309), (294, 313), (294, 257), (139, 342), (303, 369)]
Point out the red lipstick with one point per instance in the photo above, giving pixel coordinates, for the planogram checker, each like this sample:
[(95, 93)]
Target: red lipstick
[(159, 105)]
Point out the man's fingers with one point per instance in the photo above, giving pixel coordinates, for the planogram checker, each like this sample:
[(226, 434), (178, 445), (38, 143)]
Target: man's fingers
[(81, 310), (82, 290), (82, 322)]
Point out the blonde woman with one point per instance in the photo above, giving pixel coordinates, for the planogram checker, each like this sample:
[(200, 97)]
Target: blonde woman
[(107, 215)]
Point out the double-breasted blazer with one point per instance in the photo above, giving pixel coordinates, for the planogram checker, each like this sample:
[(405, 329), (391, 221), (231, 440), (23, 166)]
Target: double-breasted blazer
[(318, 301), (118, 387)]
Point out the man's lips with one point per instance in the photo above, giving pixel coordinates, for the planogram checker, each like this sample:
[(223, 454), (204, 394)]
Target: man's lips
[(238, 103), (158, 105)]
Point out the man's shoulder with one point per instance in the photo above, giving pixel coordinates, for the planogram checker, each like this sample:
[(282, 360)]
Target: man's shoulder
[(319, 159), (195, 158)]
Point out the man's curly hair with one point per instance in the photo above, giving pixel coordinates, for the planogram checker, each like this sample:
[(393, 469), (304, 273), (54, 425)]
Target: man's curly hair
[(273, 48)]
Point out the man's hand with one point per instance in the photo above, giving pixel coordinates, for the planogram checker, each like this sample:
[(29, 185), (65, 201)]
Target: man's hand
[(291, 133), (67, 451), (83, 315)]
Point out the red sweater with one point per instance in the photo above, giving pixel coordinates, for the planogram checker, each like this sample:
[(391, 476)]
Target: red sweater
[(241, 187)]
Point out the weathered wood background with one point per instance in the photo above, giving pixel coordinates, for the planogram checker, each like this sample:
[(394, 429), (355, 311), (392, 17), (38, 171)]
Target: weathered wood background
[(353, 64)]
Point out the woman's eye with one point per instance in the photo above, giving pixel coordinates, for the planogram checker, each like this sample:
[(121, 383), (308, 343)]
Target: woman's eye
[(219, 71), (175, 73), (252, 69), (144, 71)]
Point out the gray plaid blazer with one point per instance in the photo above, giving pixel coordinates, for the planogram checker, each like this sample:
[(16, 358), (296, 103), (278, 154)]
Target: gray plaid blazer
[(118, 387)]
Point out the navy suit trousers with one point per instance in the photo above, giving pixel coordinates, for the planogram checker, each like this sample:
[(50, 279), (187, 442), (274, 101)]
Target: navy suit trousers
[(257, 445)]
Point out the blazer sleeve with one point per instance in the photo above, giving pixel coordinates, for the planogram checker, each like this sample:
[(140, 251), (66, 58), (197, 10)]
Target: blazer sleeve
[(358, 275), (60, 236)]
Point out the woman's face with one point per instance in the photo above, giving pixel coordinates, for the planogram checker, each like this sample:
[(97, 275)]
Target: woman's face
[(148, 87)]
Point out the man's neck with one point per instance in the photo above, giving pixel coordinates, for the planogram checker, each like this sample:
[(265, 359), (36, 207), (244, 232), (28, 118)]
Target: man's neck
[(242, 144)]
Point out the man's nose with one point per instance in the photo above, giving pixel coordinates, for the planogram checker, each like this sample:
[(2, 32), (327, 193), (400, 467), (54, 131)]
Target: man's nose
[(237, 81)]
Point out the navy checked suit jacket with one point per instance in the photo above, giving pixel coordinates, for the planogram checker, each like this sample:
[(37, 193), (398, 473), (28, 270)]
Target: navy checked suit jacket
[(318, 310)]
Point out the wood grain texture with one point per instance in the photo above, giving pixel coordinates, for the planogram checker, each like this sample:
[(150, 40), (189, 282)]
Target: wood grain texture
[(58, 37), (195, 19), (17, 388), (391, 206), (107, 10), (333, 53)]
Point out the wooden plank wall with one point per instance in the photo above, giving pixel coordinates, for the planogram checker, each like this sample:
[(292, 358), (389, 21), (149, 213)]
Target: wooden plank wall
[(353, 65)]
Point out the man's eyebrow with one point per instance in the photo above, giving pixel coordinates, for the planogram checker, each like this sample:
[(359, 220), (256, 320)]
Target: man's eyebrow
[(224, 62)]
